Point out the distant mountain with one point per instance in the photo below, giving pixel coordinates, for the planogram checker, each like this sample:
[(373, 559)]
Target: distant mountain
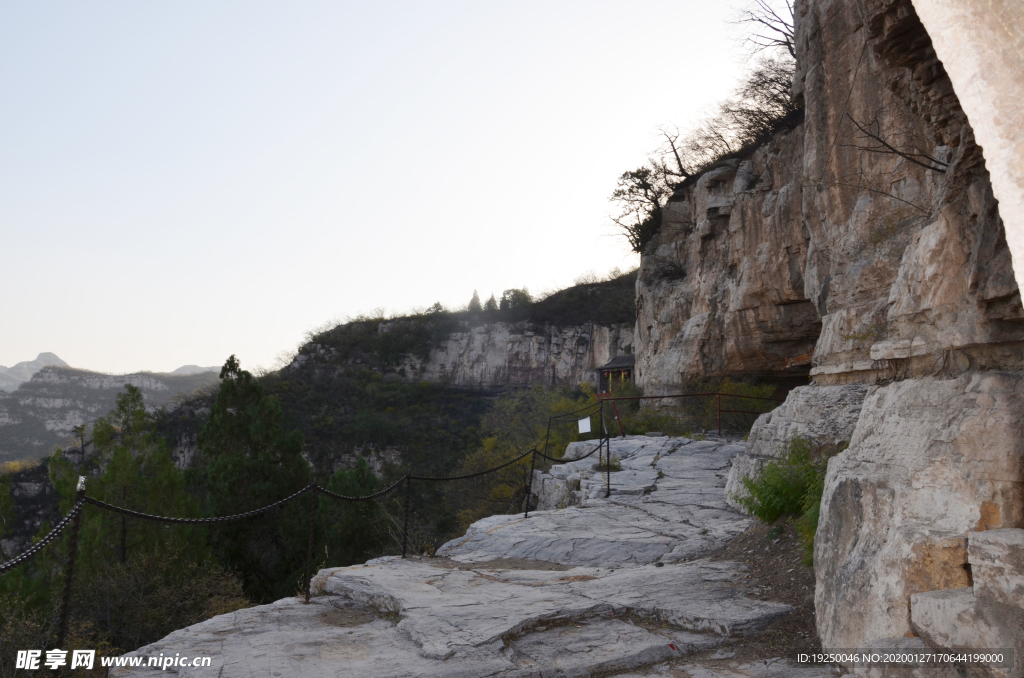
[(40, 413), (194, 369), (12, 377)]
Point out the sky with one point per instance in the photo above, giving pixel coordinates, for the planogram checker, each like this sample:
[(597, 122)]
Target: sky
[(187, 180)]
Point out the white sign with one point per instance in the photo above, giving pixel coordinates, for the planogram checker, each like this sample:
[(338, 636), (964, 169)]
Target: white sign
[(584, 425)]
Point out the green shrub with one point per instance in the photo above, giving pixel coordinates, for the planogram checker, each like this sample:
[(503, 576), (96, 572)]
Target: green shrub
[(790, 485), (781, 485)]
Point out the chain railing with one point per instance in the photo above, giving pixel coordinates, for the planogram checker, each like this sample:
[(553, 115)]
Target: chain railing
[(603, 450)]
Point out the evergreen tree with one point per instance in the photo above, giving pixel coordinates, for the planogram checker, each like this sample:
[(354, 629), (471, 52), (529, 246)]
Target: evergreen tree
[(135, 581), (136, 472), (248, 462), (353, 531), (474, 303), (491, 304)]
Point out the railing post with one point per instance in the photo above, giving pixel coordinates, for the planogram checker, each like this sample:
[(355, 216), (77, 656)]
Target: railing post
[(622, 430), (69, 573), (529, 482), (309, 550), (607, 470), (405, 524), (719, 396)]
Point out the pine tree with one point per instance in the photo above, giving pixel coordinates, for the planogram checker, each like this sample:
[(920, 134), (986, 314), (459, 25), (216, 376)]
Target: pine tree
[(248, 462), (353, 531), (136, 472), (474, 303)]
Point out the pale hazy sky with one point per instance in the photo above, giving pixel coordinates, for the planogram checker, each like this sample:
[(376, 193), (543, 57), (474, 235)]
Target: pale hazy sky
[(180, 181)]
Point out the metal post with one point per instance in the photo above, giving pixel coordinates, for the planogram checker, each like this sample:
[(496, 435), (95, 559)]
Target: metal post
[(608, 471), (615, 408), (719, 396), (309, 551), (529, 483), (70, 571), (405, 525)]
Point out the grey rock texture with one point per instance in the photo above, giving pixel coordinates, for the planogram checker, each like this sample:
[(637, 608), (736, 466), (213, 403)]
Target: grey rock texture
[(980, 47), (493, 607), (883, 267), (955, 618), (824, 416), (997, 565), (667, 505), (500, 354), (14, 376), (930, 460)]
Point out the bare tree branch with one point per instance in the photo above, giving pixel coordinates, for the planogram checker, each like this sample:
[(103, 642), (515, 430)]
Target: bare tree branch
[(885, 147), (769, 29)]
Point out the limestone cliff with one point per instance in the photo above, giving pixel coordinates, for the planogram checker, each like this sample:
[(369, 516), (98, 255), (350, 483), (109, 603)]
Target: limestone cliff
[(870, 234), (41, 413), (721, 287), (825, 240), (519, 354)]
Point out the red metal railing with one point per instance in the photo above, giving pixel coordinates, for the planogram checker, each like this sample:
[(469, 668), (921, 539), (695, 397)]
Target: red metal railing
[(610, 398)]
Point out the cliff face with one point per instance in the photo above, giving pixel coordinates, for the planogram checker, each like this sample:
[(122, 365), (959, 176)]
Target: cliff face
[(721, 288), (41, 413), (908, 266), (519, 354), (870, 234), (826, 240)]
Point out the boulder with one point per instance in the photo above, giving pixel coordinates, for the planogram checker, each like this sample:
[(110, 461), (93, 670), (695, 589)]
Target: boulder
[(997, 565), (929, 461), (956, 619)]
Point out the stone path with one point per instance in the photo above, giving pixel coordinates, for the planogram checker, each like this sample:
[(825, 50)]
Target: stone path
[(598, 587)]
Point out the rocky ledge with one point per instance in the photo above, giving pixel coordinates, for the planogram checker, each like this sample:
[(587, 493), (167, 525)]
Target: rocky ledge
[(605, 586)]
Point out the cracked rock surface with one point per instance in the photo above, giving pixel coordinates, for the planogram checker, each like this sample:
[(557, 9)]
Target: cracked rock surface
[(607, 586)]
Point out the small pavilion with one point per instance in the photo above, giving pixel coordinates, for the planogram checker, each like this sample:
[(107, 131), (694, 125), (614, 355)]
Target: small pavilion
[(616, 373)]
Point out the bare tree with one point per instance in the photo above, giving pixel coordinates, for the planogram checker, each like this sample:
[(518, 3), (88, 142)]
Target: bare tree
[(770, 29)]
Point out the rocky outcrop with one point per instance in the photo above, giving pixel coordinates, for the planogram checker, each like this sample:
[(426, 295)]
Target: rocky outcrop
[(990, 613), (823, 416), (930, 461), (519, 354), (980, 48), (879, 234), (495, 355), (884, 264), (13, 377), (721, 287)]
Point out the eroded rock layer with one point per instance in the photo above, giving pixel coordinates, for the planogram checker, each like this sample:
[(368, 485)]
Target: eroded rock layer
[(869, 233)]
